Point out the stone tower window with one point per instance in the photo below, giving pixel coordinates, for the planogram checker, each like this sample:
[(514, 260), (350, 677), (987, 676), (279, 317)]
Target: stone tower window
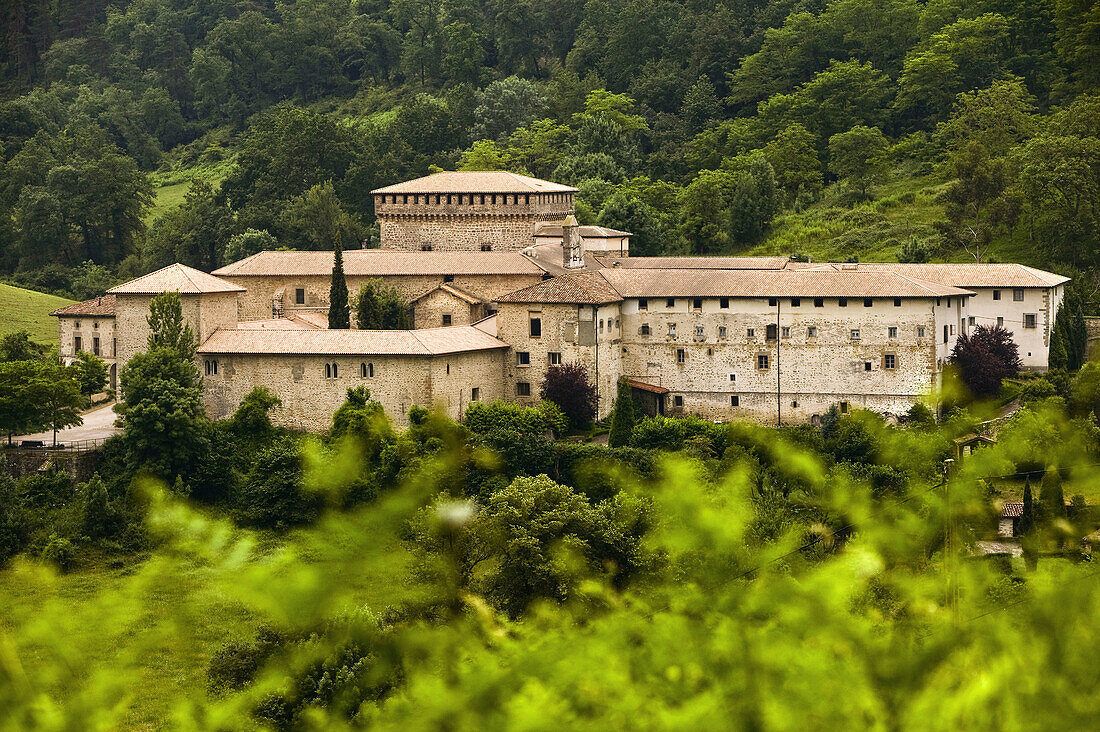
[(300, 296), (486, 247), (425, 247), (523, 388)]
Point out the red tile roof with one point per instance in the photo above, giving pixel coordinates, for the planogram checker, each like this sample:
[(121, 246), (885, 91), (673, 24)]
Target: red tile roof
[(175, 278), (102, 307), (476, 181)]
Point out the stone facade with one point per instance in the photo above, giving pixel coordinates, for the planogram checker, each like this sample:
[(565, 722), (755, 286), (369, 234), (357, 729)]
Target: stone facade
[(205, 313), (265, 294), (94, 334), (883, 357), (309, 397), (466, 221), (1027, 313)]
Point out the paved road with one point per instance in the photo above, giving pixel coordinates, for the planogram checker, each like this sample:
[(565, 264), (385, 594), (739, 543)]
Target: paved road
[(98, 424)]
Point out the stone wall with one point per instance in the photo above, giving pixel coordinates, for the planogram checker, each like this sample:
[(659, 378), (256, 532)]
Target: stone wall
[(1043, 303), (19, 462), (429, 310), (471, 234), (205, 313), (88, 329), (255, 304), (309, 398)]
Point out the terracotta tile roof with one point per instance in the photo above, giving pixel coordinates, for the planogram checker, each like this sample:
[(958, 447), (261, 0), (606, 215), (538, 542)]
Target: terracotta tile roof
[(479, 181), (425, 342), (770, 283), (585, 288), (175, 278), (586, 232), (368, 262), (1012, 510), (549, 258), (102, 307), (488, 325), (291, 323), (317, 318), (964, 274), (653, 388), (692, 262)]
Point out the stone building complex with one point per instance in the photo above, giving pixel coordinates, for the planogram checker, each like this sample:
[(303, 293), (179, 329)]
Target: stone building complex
[(503, 283)]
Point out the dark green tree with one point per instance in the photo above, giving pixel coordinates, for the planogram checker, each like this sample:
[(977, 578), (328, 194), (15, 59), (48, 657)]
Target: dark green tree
[(1051, 497), (339, 313), (858, 156), (622, 417), (90, 372), (168, 329), (381, 307)]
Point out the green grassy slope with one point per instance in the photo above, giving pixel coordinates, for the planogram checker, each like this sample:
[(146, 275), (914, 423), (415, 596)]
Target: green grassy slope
[(903, 208), (30, 311)]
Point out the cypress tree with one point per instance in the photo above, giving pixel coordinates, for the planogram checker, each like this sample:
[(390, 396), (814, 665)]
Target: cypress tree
[(622, 417), (1027, 516), (1060, 357), (339, 316), (1051, 495)]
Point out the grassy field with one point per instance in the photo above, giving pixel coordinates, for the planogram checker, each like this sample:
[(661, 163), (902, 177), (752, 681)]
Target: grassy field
[(169, 613), (166, 198), (30, 311)]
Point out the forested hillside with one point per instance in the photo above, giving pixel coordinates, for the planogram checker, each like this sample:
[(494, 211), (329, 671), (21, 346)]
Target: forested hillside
[(136, 133)]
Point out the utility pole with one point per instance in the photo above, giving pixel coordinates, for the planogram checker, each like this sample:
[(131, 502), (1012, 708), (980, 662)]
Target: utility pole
[(950, 559), (778, 390)]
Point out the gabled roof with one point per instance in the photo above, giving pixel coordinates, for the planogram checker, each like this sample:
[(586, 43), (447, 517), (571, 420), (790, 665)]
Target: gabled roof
[(586, 232), (583, 288), (452, 291), (101, 307), (369, 262), (964, 274), (692, 262), (289, 323), (425, 342), (770, 283), (175, 278), (476, 181)]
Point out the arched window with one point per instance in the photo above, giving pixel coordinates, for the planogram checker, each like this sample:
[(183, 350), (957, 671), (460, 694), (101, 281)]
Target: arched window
[(334, 371), (328, 370), (363, 370)]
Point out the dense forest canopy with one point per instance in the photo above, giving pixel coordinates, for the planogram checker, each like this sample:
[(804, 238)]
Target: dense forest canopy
[(697, 126)]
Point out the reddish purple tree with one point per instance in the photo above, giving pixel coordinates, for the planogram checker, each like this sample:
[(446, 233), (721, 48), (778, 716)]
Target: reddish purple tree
[(568, 387), (984, 359)]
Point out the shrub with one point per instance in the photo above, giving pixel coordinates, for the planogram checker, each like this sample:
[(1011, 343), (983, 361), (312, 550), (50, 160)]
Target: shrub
[(658, 433), (251, 420), (13, 524), (568, 387), (272, 495), (484, 417), (59, 552), (234, 665)]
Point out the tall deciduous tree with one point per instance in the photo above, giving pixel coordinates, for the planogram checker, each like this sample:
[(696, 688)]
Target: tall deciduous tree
[(858, 156), (568, 387)]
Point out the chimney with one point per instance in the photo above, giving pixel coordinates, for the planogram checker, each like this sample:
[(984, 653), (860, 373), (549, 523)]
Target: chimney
[(572, 246)]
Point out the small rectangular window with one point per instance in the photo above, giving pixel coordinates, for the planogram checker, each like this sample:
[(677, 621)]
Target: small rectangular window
[(920, 332), (842, 302), (643, 304), (735, 400), (773, 301), (811, 332), (854, 334), (722, 331), (446, 318), (678, 401), (672, 330), (645, 328), (699, 331), (786, 332), (475, 394), (555, 358), (1029, 320), (536, 327), (523, 388), (670, 302), (844, 407), (523, 358), (867, 302), (425, 247), (486, 247), (970, 320), (1018, 294), (892, 332), (889, 361), (771, 332), (95, 346), (723, 302), (1000, 322), (796, 302), (300, 296), (819, 302), (750, 333), (762, 361), (897, 302), (681, 355), (448, 278), (697, 303), (866, 365), (952, 331), (996, 294), (76, 344), (733, 377)]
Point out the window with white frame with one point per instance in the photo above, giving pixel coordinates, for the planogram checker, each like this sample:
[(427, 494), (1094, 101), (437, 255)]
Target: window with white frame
[(1018, 294), (892, 332), (889, 361), (672, 330), (1030, 320), (735, 400), (681, 355), (762, 361), (523, 358), (555, 358), (722, 331), (853, 334), (811, 332)]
